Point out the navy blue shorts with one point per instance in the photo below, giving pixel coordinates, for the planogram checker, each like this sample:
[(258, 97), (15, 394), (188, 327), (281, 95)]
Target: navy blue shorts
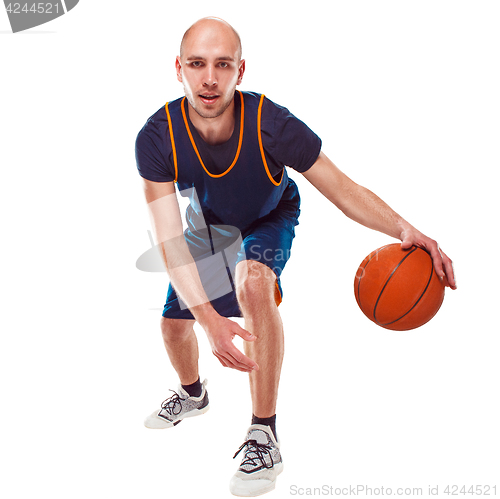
[(268, 240)]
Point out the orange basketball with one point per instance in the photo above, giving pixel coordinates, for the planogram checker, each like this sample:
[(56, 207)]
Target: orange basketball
[(398, 289)]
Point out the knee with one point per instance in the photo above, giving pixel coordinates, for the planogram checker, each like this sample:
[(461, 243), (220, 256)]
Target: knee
[(176, 329), (256, 284)]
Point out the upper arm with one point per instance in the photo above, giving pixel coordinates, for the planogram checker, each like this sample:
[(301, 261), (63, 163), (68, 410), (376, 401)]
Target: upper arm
[(287, 140), (155, 190), (163, 209), (153, 151)]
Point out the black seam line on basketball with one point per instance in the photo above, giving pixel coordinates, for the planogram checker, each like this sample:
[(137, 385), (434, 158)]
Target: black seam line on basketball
[(366, 265), (415, 304), (387, 282)]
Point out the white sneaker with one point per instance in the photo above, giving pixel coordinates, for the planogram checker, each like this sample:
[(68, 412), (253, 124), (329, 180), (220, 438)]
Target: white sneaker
[(260, 465), (178, 407)]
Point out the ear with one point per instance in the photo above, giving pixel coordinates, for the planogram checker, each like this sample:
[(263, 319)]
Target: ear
[(241, 71), (178, 68)]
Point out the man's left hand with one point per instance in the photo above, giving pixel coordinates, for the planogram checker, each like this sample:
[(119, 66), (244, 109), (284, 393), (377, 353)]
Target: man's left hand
[(442, 263)]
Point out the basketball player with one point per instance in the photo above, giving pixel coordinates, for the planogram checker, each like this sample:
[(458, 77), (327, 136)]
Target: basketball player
[(226, 150)]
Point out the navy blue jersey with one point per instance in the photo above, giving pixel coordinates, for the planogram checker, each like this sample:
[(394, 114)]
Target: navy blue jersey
[(285, 139), (238, 191)]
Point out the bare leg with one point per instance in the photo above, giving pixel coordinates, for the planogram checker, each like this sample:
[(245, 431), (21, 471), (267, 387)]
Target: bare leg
[(182, 348), (256, 299)]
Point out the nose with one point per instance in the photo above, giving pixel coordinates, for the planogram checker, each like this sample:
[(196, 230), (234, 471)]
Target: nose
[(210, 78)]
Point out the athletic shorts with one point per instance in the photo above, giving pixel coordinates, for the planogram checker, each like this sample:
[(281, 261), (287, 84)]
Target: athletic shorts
[(219, 249)]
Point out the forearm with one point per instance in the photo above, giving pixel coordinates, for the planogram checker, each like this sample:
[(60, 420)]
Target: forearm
[(185, 279), (365, 207), (357, 202), (169, 236)]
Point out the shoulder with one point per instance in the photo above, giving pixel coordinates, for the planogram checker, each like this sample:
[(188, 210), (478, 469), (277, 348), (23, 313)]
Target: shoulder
[(153, 125), (275, 115), (153, 149), (277, 119), (288, 139), (157, 124), (270, 110)]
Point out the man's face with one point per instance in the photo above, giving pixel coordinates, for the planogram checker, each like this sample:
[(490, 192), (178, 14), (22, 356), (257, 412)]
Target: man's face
[(210, 68)]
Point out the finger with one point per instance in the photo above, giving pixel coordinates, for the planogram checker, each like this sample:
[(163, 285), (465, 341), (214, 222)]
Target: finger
[(226, 363), (239, 359), (243, 333), (454, 284), (229, 361), (406, 243), (449, 271), (230, 356), (242, 362), (221, 359), (437, 259)]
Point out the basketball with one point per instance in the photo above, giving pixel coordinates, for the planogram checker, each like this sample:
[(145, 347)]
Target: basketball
[(398, 289)]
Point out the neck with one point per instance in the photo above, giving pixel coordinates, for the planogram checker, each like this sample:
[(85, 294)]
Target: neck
[(214, 130)]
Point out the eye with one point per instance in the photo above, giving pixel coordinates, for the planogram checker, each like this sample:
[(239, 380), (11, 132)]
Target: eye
[(223, 64), (196, 64)]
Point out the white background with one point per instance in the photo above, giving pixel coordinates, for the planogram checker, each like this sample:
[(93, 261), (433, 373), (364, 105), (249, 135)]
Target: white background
[(405, 97)]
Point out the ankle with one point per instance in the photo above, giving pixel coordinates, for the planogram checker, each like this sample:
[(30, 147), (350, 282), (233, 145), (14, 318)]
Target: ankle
[(270, 421), (194, 389)]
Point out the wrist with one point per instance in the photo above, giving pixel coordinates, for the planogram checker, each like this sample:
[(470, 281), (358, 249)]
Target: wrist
[(204, 314), (402, 229)]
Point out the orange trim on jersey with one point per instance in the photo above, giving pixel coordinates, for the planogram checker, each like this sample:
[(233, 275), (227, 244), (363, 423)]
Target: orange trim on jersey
[(259, 133), (196, 149), (277, 295), (174, 152)]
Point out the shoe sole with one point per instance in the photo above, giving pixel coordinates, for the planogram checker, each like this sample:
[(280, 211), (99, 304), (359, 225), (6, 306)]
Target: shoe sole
[(258, 492), (166, 424)]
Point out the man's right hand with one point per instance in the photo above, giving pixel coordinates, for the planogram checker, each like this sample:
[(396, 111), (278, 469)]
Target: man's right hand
[(220, 332)]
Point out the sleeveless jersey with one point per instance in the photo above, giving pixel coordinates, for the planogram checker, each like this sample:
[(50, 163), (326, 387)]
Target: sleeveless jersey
[(245, 190)]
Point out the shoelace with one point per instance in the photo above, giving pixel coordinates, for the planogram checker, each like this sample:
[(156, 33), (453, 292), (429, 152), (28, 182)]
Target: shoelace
[(260, 451), (171, 403)]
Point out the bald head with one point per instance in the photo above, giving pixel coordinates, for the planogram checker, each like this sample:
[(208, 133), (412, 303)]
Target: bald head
[(211, 29)]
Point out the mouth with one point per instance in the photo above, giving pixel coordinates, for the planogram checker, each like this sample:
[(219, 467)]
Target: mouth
[(208, 98)]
